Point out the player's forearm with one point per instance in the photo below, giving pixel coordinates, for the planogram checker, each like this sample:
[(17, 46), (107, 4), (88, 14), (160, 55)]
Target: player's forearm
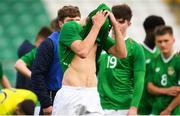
[(152, 89), (84, 47), (174, 103), (22, 68), (119, 49), (5, 82)]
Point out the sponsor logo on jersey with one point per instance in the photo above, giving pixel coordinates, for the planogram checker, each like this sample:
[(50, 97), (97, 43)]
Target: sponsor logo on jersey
[(157, 69), (65, 63), (148, 61), (170, 70)]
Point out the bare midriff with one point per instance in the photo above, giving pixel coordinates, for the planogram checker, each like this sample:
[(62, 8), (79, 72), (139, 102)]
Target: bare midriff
[(82, 71)]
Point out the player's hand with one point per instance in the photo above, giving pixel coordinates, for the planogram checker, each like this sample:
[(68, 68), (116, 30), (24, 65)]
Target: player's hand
[(48, 110), (172, 91), (113, 19), (100, 18), (132, 111), (165, 112)]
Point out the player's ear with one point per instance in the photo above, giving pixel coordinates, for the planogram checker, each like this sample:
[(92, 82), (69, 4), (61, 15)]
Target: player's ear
[(174, 40), (60, 23)]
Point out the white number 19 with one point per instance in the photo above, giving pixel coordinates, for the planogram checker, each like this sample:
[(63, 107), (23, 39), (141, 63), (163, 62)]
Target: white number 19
[(112, 61)]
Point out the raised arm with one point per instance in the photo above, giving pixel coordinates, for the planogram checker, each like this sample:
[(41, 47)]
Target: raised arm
[(83, 47), (119, 49)]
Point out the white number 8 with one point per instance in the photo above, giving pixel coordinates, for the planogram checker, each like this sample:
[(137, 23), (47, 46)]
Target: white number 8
[(164, 80)]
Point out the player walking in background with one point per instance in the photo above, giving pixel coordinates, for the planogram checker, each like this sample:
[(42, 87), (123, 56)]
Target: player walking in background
[(150, 51), (121, 81), (25, 62), (164, 76), (23, 65)]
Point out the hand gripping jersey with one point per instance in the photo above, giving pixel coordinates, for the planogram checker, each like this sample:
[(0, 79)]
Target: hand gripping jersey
[(104, 31), (73, 31)]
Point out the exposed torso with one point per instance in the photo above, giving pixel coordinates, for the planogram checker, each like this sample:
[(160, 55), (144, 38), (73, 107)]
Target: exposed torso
[(82, 72)]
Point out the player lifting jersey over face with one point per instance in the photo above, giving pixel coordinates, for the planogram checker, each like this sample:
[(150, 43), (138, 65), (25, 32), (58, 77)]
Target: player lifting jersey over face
[(78, 50)]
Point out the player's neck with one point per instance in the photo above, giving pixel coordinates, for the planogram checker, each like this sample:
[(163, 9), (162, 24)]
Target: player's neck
[(168, 54), (149, 41)]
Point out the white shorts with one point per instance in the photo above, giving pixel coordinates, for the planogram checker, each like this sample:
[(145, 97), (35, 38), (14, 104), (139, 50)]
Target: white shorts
[(77, 101), (115, 112)]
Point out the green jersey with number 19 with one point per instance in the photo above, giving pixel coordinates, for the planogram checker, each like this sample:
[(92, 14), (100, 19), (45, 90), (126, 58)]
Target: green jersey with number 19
[(117, 80)]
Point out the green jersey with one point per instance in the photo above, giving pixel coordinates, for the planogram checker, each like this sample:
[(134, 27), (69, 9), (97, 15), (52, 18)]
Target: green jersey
[(1, 72), (164, 73), (70, 32), (150, 54), (145, 106), (120, 81), (29, 57)]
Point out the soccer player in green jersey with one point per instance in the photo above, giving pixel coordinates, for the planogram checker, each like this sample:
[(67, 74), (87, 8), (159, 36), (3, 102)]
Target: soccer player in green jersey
[(78, 53), (164, 81), (25, 62), (3, 79), (121, 81), (150, 51)]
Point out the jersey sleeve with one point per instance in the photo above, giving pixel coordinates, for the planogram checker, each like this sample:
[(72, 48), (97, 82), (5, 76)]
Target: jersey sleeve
[(139, 58), (138, 87), (70, 33), (29, 57), (108, 43), (139, 73)]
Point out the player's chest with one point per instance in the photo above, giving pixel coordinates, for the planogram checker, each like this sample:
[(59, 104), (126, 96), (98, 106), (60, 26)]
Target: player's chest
[(165, 74)]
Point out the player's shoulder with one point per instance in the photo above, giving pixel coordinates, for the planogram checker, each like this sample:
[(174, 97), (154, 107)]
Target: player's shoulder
[(133, 41)]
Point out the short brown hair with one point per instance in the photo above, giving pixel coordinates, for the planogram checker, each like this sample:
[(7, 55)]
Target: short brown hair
[(162, 30), (68, 11), (44, 32), (122, 11)]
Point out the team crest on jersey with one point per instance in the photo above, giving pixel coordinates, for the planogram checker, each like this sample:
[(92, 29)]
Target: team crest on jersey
[(148, 61), (157, 69), (170, 70)]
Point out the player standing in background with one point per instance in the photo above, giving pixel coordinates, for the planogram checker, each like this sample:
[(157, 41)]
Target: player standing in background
[(25, 62), (46, 71), (164, 80), (121, 81), (150, 51), (23, 65)]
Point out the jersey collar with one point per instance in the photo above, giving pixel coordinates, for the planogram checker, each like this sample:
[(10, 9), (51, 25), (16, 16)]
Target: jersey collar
[(147, 48), (168, 59), (127, 36)]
